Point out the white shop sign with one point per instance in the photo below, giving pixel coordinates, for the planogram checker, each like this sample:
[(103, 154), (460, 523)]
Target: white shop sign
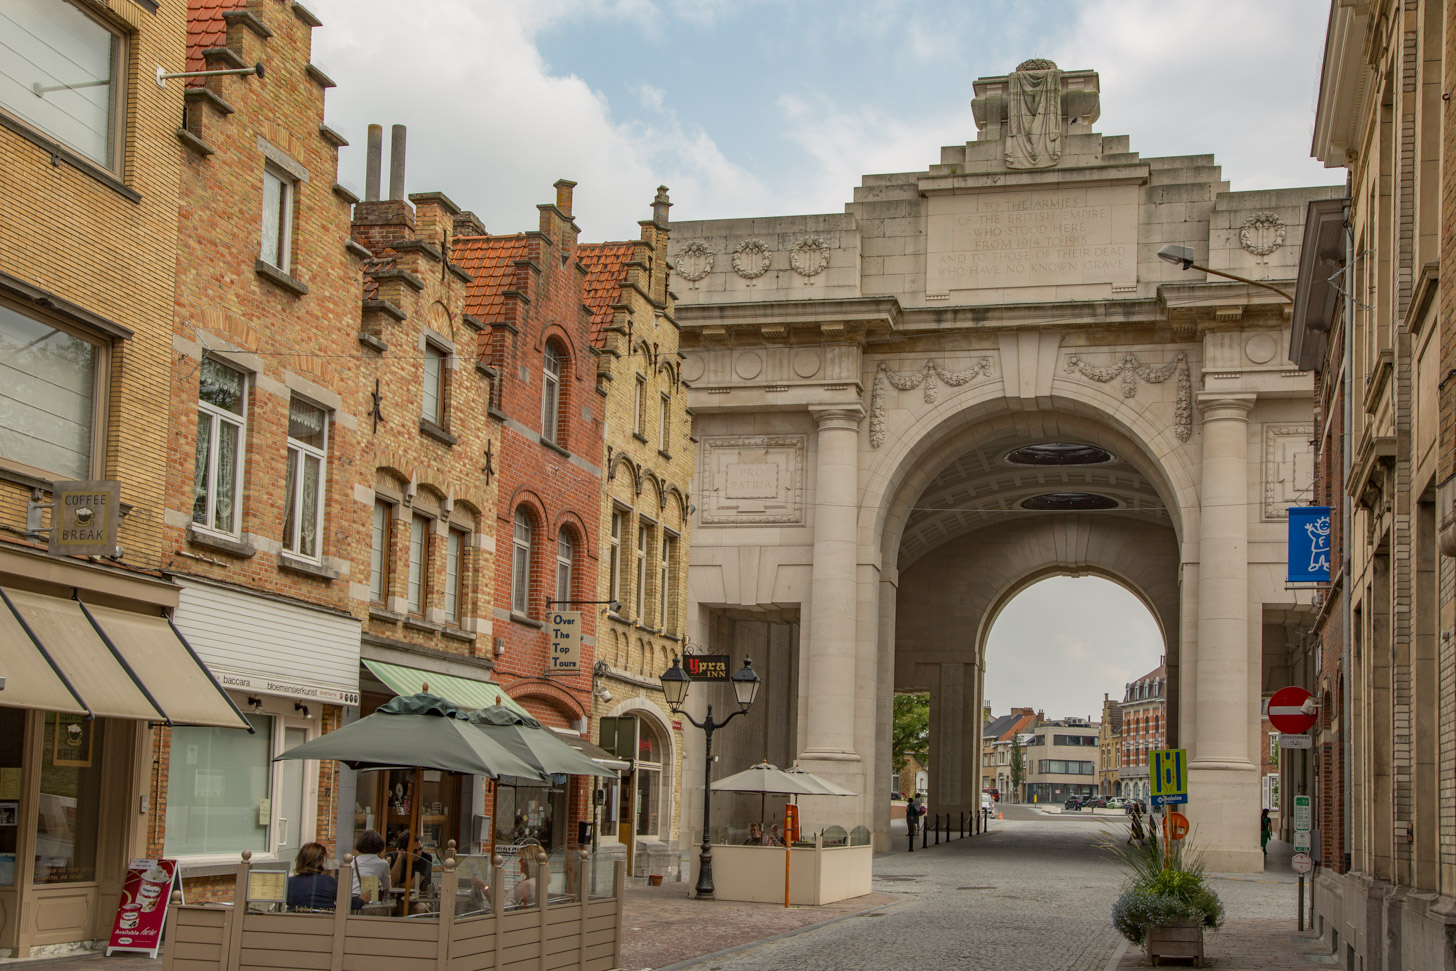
[(269, 646)]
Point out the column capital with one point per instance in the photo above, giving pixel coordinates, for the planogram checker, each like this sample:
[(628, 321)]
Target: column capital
[(1222, 406), (838, 416)]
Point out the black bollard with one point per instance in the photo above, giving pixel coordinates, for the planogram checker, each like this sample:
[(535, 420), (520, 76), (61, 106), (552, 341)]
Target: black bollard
[(937, 829), (924, 836), (963, 824), (912, 836)]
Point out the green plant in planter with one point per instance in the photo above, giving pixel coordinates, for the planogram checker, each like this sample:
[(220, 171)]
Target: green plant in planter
[(1161, 891)]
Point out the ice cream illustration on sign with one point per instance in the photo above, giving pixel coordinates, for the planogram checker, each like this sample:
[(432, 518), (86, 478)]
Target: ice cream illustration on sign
[(154, 884)]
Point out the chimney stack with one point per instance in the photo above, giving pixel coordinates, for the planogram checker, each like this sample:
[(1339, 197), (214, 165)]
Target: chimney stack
[(396, 163), (660, 206), (563, 196), (374, 159)]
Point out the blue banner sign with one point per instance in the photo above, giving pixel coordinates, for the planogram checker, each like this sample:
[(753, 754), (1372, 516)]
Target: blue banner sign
[(1309, 544)]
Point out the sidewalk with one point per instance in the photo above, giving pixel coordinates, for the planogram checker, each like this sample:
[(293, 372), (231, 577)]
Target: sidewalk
[(1251, 945), (662, 926)]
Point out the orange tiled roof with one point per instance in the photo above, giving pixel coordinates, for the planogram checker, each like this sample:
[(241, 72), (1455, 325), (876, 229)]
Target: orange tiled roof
[(489, 259), (606, 271), (206, 28)]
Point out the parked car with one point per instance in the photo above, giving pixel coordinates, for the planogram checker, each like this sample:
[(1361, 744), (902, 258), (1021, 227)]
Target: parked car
[(1117, 802), (1075, 802), (1097, 802), (988, 806), (994, 793)]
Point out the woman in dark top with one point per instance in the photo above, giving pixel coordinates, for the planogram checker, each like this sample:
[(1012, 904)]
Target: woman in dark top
[(310, 888)]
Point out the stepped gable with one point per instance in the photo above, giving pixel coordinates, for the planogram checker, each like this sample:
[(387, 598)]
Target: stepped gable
[(606, 271), (206, 29), (490, 260)]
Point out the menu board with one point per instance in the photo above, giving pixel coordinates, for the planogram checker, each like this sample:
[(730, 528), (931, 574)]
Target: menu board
[(142, 913)]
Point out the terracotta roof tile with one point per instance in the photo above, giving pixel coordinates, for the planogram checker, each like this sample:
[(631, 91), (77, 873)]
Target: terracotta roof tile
[(373, 265), (606, 271), (206, 28), (490, 260)]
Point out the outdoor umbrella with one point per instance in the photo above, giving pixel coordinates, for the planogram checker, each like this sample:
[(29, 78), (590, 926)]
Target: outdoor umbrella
[(826, 788), (526, 739), (763, 777)]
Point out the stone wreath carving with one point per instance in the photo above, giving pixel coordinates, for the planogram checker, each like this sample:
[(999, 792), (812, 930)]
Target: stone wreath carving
[(910, 380), (1130, 369), (810, 256), (694, 261), (750, 259), (1262, 233)]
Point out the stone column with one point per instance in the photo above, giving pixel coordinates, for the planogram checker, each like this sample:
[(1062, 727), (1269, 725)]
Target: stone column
[(1223, 783), (833, 637)]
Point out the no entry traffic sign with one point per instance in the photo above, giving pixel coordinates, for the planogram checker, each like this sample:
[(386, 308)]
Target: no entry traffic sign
[(1287, 710), (1301, 863)]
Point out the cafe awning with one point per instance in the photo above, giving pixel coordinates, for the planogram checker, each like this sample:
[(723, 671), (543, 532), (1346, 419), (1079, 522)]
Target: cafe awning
[(63, 655), (466, 692)]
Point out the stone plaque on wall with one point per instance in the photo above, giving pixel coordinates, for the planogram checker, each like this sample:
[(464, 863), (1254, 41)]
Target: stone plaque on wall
[(1038, 238), (1288, 469), (753, 480)]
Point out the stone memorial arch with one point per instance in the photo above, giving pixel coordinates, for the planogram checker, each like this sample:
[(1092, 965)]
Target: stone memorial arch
[(976, 376)]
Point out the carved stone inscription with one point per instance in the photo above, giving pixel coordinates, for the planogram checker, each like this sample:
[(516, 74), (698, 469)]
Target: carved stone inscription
[(1050, 237), (753, 479)]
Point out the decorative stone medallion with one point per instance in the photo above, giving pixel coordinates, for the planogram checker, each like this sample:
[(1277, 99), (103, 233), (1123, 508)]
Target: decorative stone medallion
[(753, 479), (806, 363), (809, 256), (751, 259), (1262, 233), (1260, 348), (749, 365), (694, 261)]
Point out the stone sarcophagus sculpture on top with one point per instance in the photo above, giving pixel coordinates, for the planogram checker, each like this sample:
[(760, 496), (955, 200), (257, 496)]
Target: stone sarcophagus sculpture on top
[(1032, 108)]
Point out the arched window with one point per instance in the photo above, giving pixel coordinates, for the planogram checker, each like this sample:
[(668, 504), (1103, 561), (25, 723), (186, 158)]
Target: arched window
[(521, 562), (565, 550), (550, 392)]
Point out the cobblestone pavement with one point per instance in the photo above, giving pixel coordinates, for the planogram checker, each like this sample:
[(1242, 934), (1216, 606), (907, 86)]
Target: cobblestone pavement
[(1032, 893)]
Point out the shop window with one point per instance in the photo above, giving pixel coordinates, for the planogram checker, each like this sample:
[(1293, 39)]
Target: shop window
[(454, 575), (217, 480), (521, 562), (531, 813), (649, 777), (308, 434), (12, 727), (379, 543), (277, 235), (70, 799), (417, 589), (61, 72), (219, 784), (51, 387)]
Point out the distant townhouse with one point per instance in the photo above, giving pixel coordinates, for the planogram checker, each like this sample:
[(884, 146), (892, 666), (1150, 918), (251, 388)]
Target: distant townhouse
[(1144, 728), (1061, 761), (89, 183), (643, 528), (996, 745), (1109, 747)]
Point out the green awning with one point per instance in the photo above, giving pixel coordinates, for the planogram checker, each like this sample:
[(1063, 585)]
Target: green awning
[(465, 692)]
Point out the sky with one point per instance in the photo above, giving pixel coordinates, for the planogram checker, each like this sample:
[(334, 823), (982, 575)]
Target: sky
[(752, 107), (775, 107), (1062, 643)]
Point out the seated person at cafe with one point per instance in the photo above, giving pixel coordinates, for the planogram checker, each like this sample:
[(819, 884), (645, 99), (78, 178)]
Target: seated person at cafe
[(368, 863), (524, 894), (403, 863), (310, 887), (756, 837), (777, 839)]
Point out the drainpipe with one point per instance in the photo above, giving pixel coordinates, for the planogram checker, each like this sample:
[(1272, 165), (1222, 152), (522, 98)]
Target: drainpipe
[(1346, 525)]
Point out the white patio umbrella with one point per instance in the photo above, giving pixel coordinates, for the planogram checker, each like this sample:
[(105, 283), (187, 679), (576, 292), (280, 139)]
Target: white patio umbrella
[(765, 778), (825, 787)]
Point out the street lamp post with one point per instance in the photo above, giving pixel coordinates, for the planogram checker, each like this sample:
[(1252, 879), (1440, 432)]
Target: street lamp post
[(675, 684), (1182, 257)]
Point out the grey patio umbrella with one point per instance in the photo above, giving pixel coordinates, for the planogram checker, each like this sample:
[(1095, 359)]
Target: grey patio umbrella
[(763, 777), (826, 787), (531, 743)]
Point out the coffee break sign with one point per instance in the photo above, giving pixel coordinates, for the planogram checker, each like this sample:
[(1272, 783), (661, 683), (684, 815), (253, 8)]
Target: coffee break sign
[(142, 914)]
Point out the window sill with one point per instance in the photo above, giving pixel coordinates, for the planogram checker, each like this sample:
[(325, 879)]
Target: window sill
[(214, 541), (194, 143), (59, 153), (456, 634), (666, 455), (640, 437), (554, 447), (372, 342), (439, 434), (525, 621), (493, 412), (297, 564), (387, 616), (280, 279), (420, 624)]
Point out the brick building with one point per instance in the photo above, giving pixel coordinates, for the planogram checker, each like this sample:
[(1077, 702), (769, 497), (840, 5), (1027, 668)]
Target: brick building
[(85, 359), (1144, 728), (527, 293), (261, 522), (643, 530), (1109, 748)]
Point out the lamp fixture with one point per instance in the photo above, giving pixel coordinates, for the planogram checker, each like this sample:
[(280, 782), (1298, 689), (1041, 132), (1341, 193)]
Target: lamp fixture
[(675, 683), (1182, 257), (300, 706), (255, 703)]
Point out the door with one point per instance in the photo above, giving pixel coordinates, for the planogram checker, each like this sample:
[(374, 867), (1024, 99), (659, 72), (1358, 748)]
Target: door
[(288, 834)]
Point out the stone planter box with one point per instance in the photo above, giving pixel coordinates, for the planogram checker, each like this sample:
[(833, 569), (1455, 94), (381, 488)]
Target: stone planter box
[(1181, 940)]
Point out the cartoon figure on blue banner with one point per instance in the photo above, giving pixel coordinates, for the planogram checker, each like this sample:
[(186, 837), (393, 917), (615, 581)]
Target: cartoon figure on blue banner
[(1309, 544)]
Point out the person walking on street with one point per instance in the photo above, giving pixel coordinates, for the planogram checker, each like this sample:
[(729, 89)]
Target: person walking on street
[(913, 812), (1134, 825), (1266, 830)]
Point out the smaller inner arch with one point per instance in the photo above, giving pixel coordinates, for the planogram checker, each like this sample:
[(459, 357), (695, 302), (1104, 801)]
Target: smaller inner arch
[(1059, 453), (1069, 500)]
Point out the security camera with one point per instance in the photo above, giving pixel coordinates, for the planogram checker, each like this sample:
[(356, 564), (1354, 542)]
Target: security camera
[(605, 695), (615, 606)]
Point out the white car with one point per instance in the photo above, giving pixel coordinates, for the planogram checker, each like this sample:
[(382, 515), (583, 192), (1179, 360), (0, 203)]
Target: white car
[(988, 805)]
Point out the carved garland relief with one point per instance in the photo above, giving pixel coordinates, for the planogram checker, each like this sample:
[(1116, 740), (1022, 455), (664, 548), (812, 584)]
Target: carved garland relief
[(1262, 233), (751, 259), (909, 380), (1130, 370), (694, 261), (809, 256)]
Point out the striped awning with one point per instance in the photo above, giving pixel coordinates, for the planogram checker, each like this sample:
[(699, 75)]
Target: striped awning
[(465, 692)]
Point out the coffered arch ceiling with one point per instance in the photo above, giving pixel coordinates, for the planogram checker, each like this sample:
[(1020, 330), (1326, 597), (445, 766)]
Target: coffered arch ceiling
[(981, 488)]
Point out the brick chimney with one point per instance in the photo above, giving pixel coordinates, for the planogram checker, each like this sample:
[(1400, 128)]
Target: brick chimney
[(380, 224)]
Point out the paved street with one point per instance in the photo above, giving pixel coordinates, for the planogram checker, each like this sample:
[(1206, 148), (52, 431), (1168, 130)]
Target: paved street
[(1033, 893)]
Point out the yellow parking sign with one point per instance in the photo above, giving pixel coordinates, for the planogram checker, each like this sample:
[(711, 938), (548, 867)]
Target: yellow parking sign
[(1168, 772)]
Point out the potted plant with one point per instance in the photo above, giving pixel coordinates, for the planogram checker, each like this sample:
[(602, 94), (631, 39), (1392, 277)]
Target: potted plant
[(1166, 902)]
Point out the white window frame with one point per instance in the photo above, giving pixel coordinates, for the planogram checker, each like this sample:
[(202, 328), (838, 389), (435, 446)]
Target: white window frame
[(117, 83), (665, 542), (451, 603), (551, 359), (297, 453), (639, 406), (440, 357), (379, 551), (281, 258), (521, 557), (615, 564), (664, 422), (417, 582), (217, 416), (565, 555), (284, 717), (644, 540)]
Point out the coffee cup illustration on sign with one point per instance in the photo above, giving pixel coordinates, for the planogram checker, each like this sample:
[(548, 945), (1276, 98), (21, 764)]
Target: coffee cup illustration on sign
[(73, 735), (154, 883)]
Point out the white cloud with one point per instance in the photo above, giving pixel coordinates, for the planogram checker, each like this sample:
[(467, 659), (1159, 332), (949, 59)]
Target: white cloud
[(492, 126)]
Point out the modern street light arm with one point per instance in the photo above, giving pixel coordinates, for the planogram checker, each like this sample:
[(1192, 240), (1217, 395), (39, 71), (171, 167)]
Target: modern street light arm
[(1241, 279), (1182, 257)]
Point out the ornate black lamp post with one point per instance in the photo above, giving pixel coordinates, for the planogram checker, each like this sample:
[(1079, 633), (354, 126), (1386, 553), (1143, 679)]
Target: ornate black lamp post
[(675, 683)]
